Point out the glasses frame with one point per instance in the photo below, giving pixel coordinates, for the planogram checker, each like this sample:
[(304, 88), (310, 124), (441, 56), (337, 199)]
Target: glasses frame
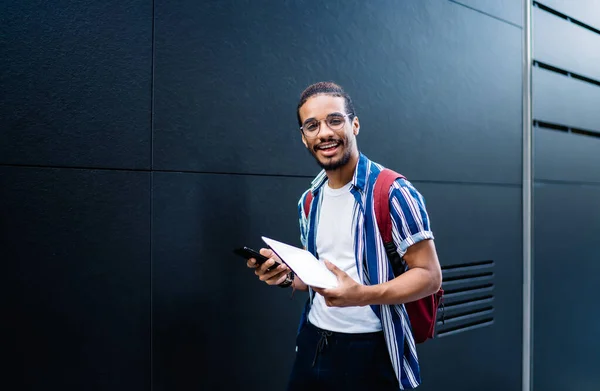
[(345, 116)]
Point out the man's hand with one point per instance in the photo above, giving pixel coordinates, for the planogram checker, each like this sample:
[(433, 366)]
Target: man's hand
[(272, 277), (348, 293)]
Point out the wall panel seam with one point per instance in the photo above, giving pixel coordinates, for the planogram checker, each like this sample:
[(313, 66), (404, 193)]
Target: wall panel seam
[(527, 360), (485, 13)]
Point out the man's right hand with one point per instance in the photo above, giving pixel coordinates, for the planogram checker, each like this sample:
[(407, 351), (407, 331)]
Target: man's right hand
[(272, 277)]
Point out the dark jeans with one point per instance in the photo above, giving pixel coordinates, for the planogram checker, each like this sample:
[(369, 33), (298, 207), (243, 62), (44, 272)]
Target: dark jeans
[(331, 361)]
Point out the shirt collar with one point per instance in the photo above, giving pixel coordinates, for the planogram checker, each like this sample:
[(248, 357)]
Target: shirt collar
[(358, 179)]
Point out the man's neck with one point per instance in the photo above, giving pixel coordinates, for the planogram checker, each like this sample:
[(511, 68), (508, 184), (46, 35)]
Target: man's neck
[(339, 177)]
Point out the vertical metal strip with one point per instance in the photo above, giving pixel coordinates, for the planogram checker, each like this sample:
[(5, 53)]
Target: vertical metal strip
[(527, 201)]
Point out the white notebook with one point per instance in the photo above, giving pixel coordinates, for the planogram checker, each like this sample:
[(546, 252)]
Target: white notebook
[(310, 270)]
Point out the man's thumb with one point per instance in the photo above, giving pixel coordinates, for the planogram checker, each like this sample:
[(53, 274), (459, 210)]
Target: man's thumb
[(332, 267)]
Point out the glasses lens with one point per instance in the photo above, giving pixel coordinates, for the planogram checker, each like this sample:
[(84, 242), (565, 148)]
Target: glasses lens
[(335, 121), (311, 126)]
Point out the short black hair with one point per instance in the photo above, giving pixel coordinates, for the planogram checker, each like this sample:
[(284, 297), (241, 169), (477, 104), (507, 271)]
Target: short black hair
[(326, 88)]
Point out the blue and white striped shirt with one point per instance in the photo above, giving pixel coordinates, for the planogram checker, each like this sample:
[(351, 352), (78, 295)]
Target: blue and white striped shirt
[(410, 224)]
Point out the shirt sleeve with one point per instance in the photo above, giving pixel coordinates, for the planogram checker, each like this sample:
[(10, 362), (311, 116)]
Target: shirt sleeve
[(410, 221)]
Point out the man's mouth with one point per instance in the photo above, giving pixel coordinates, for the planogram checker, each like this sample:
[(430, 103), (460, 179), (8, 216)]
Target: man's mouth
[(328, 146)]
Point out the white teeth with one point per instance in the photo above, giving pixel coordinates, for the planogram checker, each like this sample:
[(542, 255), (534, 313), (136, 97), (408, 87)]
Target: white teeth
[(330, 145)]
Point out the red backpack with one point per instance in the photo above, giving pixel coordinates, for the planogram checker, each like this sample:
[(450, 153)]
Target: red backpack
[(423, 312)]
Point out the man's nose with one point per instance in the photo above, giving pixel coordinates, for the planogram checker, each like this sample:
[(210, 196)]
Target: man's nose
[(325, 131)]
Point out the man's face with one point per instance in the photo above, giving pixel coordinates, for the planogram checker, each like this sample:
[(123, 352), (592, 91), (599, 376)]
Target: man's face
[(331, 148)]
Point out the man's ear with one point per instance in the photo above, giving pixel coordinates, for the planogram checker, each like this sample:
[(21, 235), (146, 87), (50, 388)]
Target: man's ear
[(304, 141), (355, 126)]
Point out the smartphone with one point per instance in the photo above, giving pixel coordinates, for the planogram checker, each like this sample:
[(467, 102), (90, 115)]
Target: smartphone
[(247, 253)]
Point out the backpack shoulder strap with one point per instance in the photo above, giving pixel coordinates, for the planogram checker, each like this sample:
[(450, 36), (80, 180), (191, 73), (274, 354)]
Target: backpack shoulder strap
[(307, 201), (382, 203), (381, 200)]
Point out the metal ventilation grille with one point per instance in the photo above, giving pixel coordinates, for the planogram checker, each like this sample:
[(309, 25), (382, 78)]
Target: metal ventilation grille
[(468, 297)]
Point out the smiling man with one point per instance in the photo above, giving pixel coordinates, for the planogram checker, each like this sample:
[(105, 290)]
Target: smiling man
[(356, 336)]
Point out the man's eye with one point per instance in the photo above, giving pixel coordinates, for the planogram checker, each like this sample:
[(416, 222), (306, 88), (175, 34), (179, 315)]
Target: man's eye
[(311, 126), (335, 121)]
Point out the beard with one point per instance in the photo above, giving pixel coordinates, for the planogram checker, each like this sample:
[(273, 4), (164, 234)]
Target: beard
[(332, 164)]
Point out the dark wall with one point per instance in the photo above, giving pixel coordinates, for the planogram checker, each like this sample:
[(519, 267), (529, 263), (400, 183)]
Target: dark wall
[(142, 141), (566, 102), (75, 193)]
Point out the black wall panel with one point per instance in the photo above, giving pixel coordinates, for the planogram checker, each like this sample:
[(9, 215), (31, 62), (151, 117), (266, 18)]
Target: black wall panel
[(565, 101), (567, 266), (586, 11), (216, 326), (76, 83), (508, 10), (423, 76), (472, 224), (562, 156), (566, 45), (77, 247)]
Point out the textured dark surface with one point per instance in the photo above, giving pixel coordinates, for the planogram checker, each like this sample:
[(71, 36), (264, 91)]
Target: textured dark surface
[(566, 45), (566, 101), (508, 10), (433, 81), (76, 83), (567, 263), (468, 229), (214, 322), (77, 247), (561, 156), (586, 11)]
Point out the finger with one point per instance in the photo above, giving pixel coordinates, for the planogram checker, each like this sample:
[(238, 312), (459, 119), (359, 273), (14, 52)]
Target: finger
[(337, 271), (259, 271), (267, 252), (276, 273), (268, 264), (276, 278), (251, 263), (267, 270), (262, 269)]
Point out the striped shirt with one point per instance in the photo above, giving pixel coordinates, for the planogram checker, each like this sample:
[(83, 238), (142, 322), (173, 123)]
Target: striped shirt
[(410, 224)]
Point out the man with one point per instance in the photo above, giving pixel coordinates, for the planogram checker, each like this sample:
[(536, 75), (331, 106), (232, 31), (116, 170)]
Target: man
[(355, 336)]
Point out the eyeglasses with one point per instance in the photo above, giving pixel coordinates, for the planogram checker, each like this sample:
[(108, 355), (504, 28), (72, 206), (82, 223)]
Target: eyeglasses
[(335, 121)]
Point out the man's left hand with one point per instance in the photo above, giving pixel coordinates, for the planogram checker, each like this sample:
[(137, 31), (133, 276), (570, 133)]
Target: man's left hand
[(348, 293)]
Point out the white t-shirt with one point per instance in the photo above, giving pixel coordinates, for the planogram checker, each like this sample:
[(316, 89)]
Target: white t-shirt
[(335, 242)]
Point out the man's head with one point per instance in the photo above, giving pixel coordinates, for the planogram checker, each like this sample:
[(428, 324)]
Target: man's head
[(329, 124)]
